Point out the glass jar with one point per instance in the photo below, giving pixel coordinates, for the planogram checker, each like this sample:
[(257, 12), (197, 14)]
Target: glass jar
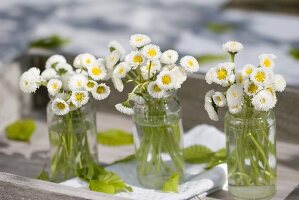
[(158, 138), (251, 153), (73, 142)]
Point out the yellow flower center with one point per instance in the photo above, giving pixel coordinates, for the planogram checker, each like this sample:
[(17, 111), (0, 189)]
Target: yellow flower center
[(79, 84), (79, 96), (260, 77), (248, 71), (263, 100), (235, 94), (90, 84), (96, 71), (54, 86), (221, 74), (137, 59), (240, 79), (252, 88), (88, 61), (60, 106), (190, 63), (157, 88), (166, 80), (151, 52), (270, 89), (101, 90), (121, 70), (218, 99), (139, 39), (267, 63)]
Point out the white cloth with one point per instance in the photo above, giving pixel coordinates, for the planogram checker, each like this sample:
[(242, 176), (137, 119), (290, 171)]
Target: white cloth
[(198, 182)]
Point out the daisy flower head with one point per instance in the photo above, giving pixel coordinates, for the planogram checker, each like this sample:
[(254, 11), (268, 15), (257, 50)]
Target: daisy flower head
[(54, 60), (267, 60), (101, 92), (232, 47), (251, 88), (118, 84), (63, 68), (234, 95), (91, 85), (65, 80), (210, 106), (87, 60), (136, 98), (155, 90), (29, 81), (180, 75), (97, 72), (166, 80), (279, 83), (222, 74), (153, 66), (112, 59), (135, 59), (240, 79), (235, 109), (263, 101), (219, 99), (116, 46), (139, 40), (54, 86), (79, 98), (261, 76), (247, 70), (210, 75), (190, 64), (151, 52), (125, 108), (60, 107), (169, 57), (48, 74), (77, 82), (121, 70)]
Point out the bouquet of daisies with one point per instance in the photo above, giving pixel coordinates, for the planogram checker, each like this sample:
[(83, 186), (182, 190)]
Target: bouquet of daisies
[(253, 86)]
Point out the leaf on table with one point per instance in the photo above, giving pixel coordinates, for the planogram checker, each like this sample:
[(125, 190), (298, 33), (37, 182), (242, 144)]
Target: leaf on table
[(197, 154), (51, 42), (209, 58), (217, 158), (171, 185), (108, 182), (43, 176), (115, 137), (125, 159), (20, 130)]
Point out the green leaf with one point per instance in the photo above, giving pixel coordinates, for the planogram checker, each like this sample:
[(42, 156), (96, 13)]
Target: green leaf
[(125, 159), (115, 137), (218, 158), (219, 28), (43, 176), (108, 182), (20, 130), (92, 171), (197, 154), (294, 53), (51, 42), (171, 185), (209, 58)]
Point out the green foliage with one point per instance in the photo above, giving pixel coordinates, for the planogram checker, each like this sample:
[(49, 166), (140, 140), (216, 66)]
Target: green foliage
[(51, 42), (209, 58), (171, 185), (126, 159), (20, 130), (115, 137), (294, 53), (220, 28), (197, 154), (43, 176), (217, 158)]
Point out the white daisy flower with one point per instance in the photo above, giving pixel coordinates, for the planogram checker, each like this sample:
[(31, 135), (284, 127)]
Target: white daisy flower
[(235, 109), (154, 66), (181, 76), (77, 61), (190, 64), (114, 45), (279, 83), (155, 90), (118, 84), (232, 46), (79, 98), (100, 61), (124, 108), (261, 76), (101, 92), (135, 59), (139, 40), (77, 82), (48, 74), (87, 60), (251, 88), (29, 81), (210, 75), (97, 72), (91, 85), (63, 68), (54, 86), (136, 98), (267, 60), (151, 51), (169, 57), (60, 107), (247, 70), (112, 59), (263, 101), (65, 81), (223, 74), (234, 95), (240, 79), (166, 80), (54, 60), (219, 99), (121, 70), (209, 107)]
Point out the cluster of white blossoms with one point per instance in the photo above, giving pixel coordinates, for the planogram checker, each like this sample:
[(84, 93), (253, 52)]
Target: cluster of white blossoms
[(154, 73), (254, 86), (71, 86)]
